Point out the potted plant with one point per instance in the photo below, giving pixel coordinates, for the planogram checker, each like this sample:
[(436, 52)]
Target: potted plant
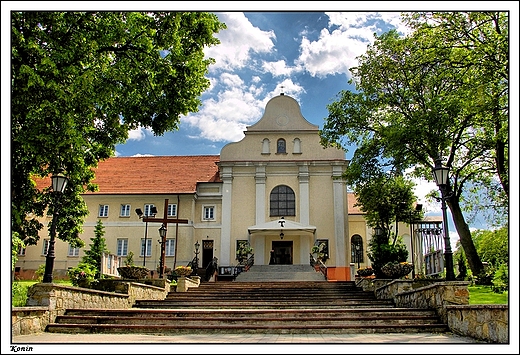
[(243, 253), (365, 272), (320, 252), (132, 271)]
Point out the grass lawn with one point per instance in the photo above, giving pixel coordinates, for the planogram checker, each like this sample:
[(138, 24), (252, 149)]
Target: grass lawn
[(484, 295)]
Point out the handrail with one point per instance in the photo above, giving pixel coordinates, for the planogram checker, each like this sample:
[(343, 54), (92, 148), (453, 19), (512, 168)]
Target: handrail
[(317, 262), (250, 261)]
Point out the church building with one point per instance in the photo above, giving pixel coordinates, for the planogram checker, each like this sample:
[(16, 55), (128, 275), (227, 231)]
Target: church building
[(277, 191)]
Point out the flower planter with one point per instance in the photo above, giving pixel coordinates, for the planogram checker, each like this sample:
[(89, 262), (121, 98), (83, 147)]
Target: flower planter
[(396, 270), (365, 272), (133, 272), (183, 271)]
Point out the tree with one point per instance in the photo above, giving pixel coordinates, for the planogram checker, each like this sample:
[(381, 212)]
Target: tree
[(97, 249), (416, 101), (79, 82)]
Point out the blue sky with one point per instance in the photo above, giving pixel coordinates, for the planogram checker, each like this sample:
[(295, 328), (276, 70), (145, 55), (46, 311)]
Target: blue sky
[(268, 49)]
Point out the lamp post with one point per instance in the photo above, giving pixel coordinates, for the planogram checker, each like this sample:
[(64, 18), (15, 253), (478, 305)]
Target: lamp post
[(358, 254), (418, 209), (378, 231), (59, 182), (162, 233), (141, 215), (441, 176), (196, 266)]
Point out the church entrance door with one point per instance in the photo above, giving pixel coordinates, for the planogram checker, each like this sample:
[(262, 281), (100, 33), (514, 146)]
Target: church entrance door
[(207, 252), (281, 253)]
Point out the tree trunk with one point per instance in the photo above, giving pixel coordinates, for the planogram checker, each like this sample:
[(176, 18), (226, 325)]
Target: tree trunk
[(475, 264)]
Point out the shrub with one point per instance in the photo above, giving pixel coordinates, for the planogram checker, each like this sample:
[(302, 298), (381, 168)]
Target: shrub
[(82, 273), (501, 279), (40, 272), (19, 294)]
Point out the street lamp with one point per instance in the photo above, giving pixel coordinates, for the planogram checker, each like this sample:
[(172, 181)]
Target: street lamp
[(378, 231), (358, 254), (59, 182), (441, 176), (196, 267), (162, 233), (140, 214), (418, 209)]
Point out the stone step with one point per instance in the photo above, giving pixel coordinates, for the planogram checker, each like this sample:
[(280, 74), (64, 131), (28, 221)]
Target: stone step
[(280, 273), (268, 305), (166, 321), (269, 313), (291, 307)]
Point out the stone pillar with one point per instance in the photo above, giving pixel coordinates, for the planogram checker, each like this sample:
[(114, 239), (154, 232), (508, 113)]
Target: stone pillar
[(339, 215), (260, 178), (225, 236)]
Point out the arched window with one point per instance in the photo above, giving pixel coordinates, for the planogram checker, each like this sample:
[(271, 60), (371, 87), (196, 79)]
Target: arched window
[(282, 201), (280, 146), (356, 249)]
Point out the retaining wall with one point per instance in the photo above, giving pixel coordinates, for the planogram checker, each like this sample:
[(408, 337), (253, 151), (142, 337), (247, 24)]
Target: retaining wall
[(45, 301), (450, 299)]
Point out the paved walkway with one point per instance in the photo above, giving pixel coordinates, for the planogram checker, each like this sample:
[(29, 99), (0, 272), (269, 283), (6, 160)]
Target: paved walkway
[(398, 338)]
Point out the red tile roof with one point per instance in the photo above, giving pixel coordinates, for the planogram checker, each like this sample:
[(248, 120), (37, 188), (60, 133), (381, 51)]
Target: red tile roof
[(352, 200), (152, 174), (155, 174)]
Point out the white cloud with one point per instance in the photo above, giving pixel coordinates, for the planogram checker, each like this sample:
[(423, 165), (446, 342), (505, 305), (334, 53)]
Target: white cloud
[(238, 42), (278, 68), (137, 134), (336, 51), (225, 117)]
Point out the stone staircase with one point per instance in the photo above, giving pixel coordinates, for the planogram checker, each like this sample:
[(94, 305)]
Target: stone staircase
[(281, 307), (280, 273)]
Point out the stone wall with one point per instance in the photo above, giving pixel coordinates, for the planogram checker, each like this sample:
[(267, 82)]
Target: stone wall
[(45, 301), (483, 322), (28, 320), (436, 296), (450, 299)]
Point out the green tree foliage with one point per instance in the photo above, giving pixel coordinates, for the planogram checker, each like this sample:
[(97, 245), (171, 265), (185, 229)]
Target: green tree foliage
[(382, 251), (93, 256), (440, 91), (80, 82), (493, 246)]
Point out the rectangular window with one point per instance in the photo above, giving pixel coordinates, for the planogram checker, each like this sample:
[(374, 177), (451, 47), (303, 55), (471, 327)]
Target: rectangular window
[(103, 211), (125, 211), (45, 246), (170, 247), (73, 251), (172, 210), (209, 213), (122, 247), (21, 251), (150, 210), (148, 247)]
